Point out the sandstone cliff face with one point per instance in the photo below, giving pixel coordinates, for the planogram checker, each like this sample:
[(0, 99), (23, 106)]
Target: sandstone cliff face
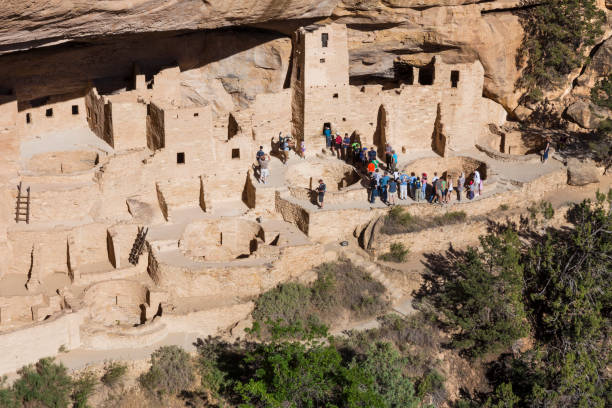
[(103, 38)]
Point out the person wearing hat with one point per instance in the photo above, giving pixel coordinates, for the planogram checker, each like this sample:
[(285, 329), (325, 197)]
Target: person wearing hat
[(321, 193)]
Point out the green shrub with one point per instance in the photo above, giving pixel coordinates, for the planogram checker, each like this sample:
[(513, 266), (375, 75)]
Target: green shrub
[(556, 32), (8, 399), (397, 253), (432, 384), (504, 207), (601, 93), (83, 388), (482, 299), (293, 307), (113, 373), (398, 221), (289, 302), (171, 371), (45, 383)]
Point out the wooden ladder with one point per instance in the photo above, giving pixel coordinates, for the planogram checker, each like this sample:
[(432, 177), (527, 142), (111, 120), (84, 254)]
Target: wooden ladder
[(22, 209), (138, 246)]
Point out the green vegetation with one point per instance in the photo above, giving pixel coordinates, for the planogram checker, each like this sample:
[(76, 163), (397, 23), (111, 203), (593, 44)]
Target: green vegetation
[(601, 94), (171, 371), (397, 253), (113, 373), (504, 207), (556, 32), (83, 388), (399, 221), (339, 286), (481, 298), (567, 296), (44, 384)]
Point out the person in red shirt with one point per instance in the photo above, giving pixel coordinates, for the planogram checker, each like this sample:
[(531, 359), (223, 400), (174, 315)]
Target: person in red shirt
[(338, 145), (371, 169)]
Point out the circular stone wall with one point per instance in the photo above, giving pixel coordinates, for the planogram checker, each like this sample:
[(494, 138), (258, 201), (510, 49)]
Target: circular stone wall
[(447, 166), (55, 163), (221, 240), (336, 175), (116, 302)]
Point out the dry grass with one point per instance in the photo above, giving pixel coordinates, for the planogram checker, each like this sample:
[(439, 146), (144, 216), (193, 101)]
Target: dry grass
[(399, 221)]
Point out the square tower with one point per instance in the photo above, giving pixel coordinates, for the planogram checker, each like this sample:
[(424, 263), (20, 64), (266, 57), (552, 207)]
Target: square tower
[(320, 82)]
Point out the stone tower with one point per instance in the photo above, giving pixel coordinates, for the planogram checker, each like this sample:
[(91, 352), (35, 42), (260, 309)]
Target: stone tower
[(320, 82)]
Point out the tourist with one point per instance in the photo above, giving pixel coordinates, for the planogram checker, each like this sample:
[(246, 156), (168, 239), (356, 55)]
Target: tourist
[(321, 193), (388, 156), (346, 144), (264, 164), (392, 191), (373, 189), (437, 193), (460, 185), (546, 151), (328, 136), (435, 177), (356, 151), (396, 175), (418, 190), (372, 154), (477, 183), (338, 145), (260, 153), (384, 184), (424, 186), (411, 181), (363, 156), (443, 190), (378, 176), (371, 169), (471, 190), (285, 149), (302, 150), (449, 193), (403, 187), (393, 160)]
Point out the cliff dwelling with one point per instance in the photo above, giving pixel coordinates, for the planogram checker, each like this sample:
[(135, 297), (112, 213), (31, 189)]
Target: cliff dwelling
[(133, 206)]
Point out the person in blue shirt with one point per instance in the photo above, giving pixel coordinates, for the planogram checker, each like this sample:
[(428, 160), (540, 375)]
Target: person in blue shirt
[(393, 160), (346, 144), (384, 182), (371, 154), (328, 136), (411, 182), (363, 156)]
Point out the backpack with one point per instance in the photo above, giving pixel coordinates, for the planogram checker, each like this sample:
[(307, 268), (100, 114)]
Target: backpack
[(418, 184)]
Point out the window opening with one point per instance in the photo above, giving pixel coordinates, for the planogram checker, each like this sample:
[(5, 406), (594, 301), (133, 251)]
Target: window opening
[(322, 60), (235, 153), (324, 39), (49, 112), (195, 115), (454, 78), (28, 118), (426, 75), (335, 96), (180, 158), (75, 109)]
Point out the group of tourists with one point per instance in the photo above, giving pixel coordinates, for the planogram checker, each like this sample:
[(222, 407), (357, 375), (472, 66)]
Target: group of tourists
[(393, 185), (389, 184)]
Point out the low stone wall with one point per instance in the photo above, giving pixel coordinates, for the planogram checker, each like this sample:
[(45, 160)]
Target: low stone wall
[(331, 197), (293, 212), (28, 345), (460, 235)]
